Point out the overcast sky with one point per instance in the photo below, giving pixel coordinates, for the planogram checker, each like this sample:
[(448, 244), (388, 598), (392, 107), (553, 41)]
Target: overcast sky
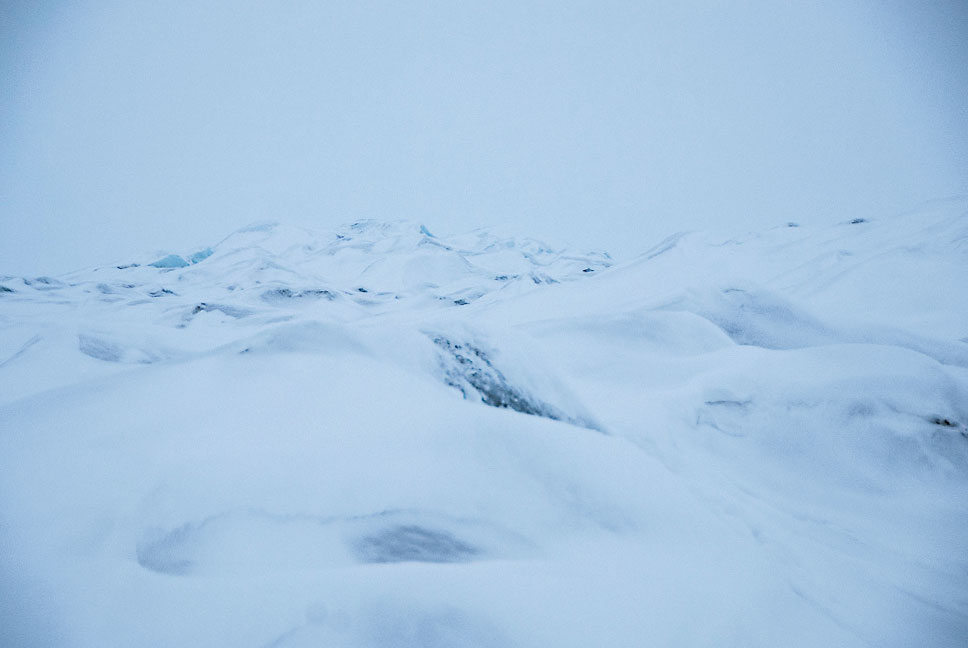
[(134, 126)]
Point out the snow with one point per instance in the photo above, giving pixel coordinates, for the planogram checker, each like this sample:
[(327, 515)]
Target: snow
[(756, 440)]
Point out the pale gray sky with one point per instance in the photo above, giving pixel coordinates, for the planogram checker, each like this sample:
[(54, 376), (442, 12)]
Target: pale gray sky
[(134, 126)]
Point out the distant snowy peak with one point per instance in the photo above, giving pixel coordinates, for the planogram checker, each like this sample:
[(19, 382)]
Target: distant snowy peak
[(375, 263), (395, 236), (398, 257)]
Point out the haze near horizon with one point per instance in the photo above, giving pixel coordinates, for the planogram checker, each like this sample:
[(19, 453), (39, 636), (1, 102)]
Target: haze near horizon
[(128, 127)]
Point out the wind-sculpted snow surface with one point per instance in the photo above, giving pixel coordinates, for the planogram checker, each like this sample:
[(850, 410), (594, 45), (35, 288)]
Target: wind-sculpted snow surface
[(379, 437)]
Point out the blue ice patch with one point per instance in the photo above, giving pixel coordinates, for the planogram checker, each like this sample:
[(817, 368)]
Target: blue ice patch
[(170, 261), (201, 255)]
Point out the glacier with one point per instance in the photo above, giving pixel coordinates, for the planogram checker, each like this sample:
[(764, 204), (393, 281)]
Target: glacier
[(375, 436)]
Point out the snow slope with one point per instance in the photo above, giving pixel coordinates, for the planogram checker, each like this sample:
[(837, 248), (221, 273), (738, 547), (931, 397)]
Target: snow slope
[(377, 437)]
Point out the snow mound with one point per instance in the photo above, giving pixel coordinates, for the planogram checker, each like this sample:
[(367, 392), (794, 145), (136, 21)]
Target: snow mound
[(375, 436)]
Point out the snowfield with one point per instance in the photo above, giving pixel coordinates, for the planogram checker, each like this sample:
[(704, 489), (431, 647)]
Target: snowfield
[(378, 437)]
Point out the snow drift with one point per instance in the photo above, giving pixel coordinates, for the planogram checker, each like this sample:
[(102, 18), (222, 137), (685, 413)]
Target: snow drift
[(375, 436)]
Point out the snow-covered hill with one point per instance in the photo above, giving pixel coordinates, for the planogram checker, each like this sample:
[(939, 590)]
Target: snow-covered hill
[(378, 437)]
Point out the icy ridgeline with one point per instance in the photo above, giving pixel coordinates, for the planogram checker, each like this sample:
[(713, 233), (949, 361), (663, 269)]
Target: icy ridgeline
[(752, 441), (271, 285)]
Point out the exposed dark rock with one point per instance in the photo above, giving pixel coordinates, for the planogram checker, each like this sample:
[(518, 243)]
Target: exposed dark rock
[(468, 368), (317, 293), (281, 294), (412, 543), (44, 283)]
